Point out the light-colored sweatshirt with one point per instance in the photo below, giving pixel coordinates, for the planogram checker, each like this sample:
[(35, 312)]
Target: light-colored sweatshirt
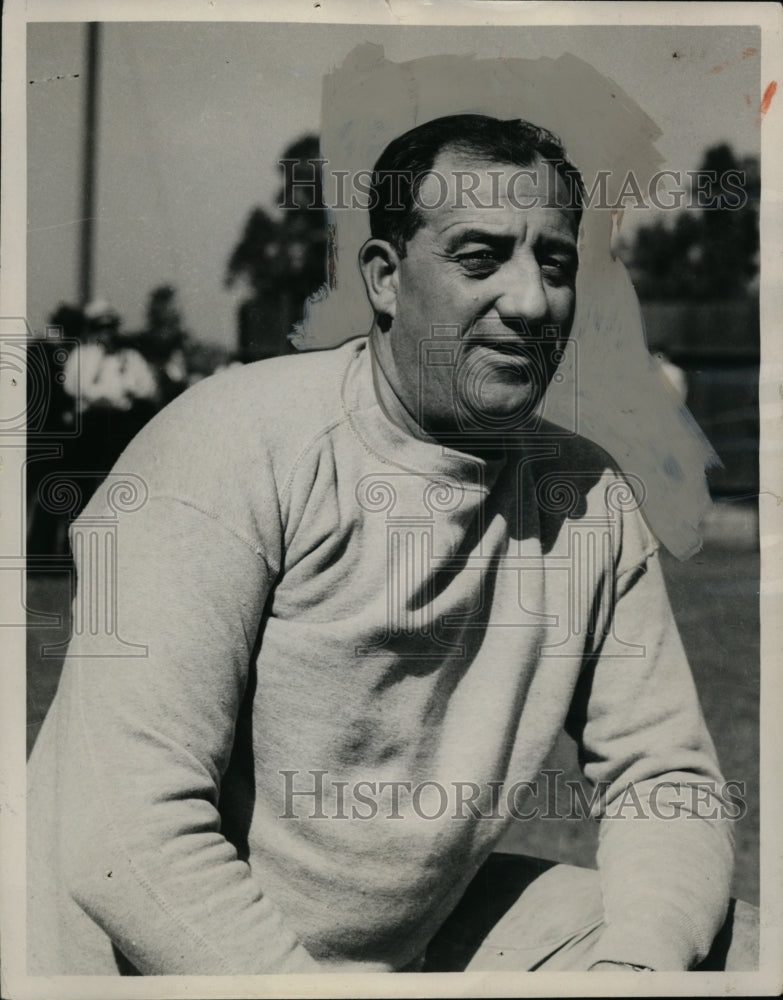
[(325, 601)]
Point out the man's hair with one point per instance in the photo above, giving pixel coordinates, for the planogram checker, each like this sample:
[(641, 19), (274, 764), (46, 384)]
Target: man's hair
[(403, 165)]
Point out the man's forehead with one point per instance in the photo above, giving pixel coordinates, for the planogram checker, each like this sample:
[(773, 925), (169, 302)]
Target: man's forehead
[(463, 187), (453, 163), (454, 159)]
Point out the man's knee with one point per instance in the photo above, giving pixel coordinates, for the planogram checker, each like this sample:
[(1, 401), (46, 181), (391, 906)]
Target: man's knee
[(554, 923), (523, 914), (517, 911)]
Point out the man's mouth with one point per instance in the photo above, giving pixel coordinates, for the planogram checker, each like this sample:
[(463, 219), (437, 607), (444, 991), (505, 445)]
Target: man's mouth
[(510, 361), (515, 350)]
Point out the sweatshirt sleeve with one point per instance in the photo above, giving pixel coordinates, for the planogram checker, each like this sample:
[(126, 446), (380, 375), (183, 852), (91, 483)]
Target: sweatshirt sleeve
[(145, 741), (665, 853)]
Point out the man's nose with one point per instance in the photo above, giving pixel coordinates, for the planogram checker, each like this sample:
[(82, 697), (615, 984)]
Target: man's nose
[(523, 296)]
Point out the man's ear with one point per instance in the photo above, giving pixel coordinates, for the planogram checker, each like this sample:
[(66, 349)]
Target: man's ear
[(379, 263)]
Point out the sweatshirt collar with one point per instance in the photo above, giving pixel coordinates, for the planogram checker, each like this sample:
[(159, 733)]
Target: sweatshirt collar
[(379, 420)]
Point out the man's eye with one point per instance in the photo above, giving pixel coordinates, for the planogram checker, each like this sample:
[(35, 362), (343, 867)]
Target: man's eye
[(558, 269), (479, 262)]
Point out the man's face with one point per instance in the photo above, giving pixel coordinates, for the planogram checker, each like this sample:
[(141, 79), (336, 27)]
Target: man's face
[(501, 275)]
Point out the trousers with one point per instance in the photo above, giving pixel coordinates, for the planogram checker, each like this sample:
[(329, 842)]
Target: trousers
[(527, 914)]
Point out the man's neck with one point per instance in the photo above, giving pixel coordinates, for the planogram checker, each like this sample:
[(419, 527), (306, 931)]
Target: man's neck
[(395, 410), (388, 399)]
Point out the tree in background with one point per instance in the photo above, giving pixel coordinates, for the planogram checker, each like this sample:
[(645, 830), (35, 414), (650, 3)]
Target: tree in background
[(281, 260), (705, 254), (695, 275), (730, 239)]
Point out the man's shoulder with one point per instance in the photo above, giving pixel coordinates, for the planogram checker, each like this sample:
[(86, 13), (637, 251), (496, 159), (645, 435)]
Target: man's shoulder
[(238, 432), (299, 388), (270, 404)]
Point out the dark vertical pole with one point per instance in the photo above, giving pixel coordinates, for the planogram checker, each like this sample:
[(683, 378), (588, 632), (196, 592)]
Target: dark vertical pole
[(88, 164)]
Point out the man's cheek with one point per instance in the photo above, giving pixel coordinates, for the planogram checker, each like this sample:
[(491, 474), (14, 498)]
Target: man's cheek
[(562, 311)]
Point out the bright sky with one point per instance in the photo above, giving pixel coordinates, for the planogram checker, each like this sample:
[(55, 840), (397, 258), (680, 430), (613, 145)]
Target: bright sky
[(193, 117)]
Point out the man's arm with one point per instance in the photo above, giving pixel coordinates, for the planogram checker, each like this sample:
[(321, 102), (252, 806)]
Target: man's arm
[(665, 852), (144, 744)]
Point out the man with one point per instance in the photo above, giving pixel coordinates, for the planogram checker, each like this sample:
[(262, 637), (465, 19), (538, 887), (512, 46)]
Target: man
[(372, 587)]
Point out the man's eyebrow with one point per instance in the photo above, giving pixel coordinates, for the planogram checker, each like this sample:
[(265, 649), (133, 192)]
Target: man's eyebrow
[(476, 235), (549, 241)]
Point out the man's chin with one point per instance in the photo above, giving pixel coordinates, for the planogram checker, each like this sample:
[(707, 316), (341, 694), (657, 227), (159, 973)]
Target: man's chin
[(502, 406)]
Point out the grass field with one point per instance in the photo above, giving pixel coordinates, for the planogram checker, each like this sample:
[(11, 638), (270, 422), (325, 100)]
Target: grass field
[(715, 600)]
